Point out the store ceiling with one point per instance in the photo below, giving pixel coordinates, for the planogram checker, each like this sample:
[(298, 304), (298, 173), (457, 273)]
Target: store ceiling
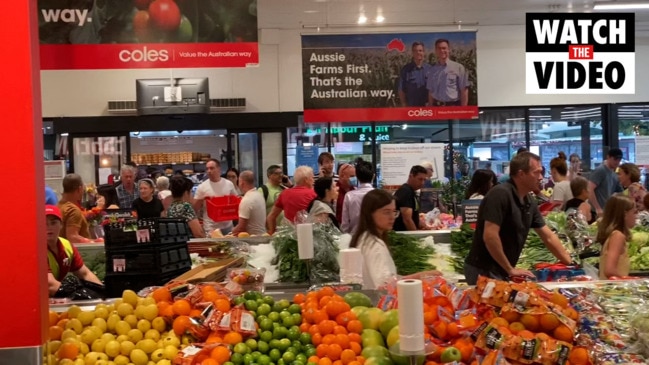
[(290, 14)]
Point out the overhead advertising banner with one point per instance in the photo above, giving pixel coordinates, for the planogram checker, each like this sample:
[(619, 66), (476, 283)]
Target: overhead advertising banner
[(121, 34), (580, 53), (389, 77)]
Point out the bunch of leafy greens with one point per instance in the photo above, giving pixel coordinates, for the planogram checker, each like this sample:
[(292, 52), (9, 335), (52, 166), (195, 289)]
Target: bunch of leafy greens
[(461, 241), (324, 266), (409, 254)]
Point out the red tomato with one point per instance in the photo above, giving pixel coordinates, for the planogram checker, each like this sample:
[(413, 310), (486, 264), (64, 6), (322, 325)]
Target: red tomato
[(141, 26), (165, 14), (142, 4)]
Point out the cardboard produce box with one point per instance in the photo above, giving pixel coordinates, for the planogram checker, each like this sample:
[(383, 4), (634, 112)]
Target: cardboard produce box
[(214, 271)]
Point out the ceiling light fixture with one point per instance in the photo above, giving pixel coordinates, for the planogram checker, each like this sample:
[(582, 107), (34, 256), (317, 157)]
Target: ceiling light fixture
[(379, 15), (362, 19), (626, 5)]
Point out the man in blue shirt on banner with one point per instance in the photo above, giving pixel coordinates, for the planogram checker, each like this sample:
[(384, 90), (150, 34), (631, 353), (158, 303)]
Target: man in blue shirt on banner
[(414, 78), (448, 81)]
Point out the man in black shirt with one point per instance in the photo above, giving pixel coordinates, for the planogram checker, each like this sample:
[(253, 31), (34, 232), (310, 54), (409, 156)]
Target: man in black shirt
[(505, 217), (408, 201)]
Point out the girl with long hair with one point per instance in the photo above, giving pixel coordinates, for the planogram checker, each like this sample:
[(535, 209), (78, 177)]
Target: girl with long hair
[(614, 232)]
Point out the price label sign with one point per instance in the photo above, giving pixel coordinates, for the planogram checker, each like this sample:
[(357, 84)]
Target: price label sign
[(99, 146)]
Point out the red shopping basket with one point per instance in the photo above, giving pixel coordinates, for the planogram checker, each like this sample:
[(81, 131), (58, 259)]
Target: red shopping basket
[(223, 208)]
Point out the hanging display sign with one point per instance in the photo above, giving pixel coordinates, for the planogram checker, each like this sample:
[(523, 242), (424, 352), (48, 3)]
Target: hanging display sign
[(580, 53), (397, 159), (147, 34), (389, 77)]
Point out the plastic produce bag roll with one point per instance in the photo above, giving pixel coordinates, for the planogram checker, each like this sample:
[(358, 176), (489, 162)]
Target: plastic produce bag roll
[(411, 315), (305, 241), (351, 266)]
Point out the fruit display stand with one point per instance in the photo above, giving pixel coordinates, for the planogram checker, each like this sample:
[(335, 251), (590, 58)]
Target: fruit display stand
[(289, 324)]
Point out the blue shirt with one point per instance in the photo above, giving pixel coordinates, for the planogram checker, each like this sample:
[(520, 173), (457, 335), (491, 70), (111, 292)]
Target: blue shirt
[(413, 81), (50, 196), (125, 198), (446, 82)]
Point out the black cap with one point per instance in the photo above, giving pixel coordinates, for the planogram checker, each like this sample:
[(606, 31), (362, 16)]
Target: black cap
[(616, 153)]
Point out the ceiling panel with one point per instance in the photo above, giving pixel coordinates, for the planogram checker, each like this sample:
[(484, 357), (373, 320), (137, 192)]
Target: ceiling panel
[(293, 14)]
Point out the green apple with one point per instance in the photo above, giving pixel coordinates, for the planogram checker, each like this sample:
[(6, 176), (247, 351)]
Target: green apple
[(451, 354)]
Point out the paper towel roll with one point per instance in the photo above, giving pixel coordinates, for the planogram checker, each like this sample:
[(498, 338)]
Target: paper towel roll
[(411, 315), (305, 241), (351, 266)]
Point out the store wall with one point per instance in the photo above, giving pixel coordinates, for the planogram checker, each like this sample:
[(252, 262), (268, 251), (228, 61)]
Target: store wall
[(276, 84)]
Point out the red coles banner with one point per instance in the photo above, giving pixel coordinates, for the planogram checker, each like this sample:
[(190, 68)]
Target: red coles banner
[(114, 34)]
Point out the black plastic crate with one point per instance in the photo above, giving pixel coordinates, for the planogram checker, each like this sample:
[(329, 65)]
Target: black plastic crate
[(154, 230), (156, 258), (116, 283)]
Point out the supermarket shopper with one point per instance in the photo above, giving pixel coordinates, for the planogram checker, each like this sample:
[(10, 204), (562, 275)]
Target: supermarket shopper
[(377, 215), (505, 217), (107, 197), (353, 199), (579, 189), (214, 186), (481, 182), (320, 208), (613, 232), (604, 181), (147, 205), (162, 191), (233, 175), (408, 201), (75, 226), (629, 176), (252, 209), (559, 171), (326, 165), (127, 191), (181, 208), (62, 256), (293, 200), (346, 182)]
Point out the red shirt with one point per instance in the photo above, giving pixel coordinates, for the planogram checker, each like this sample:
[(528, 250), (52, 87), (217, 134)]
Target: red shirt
[(66, 265), (294, 199), (341, 199)]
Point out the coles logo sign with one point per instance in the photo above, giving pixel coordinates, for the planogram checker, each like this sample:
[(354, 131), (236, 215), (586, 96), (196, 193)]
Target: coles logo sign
[(571, 53), (144, 55)]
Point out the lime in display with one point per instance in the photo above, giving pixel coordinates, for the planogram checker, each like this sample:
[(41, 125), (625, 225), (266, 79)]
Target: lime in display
[(288, 357), (274, 316), (251, 343), (293, 334), (268, 300), (297, 345), (294, 308), (281, 305), (301, 357), (236, 358), (279, 333), (275, 354), (266, 325), (281, 362), (239, 300), (255, 355), (266, 336), (288, 321), (274, 344), (297, 318), (284, 314), (247, 359), (310, 352), (251, 305), (264, 309), (284, 344), (252, 295), (263, 347), (263, 360), (241, 348), (228, 363), (305, 338), (298, 362)]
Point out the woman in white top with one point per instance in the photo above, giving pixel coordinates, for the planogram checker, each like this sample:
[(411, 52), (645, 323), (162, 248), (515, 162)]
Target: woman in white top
[(481, 182), (378, 212), (559, 170)]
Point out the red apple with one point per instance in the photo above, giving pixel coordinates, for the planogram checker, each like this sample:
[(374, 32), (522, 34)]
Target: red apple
[(165, 14)]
